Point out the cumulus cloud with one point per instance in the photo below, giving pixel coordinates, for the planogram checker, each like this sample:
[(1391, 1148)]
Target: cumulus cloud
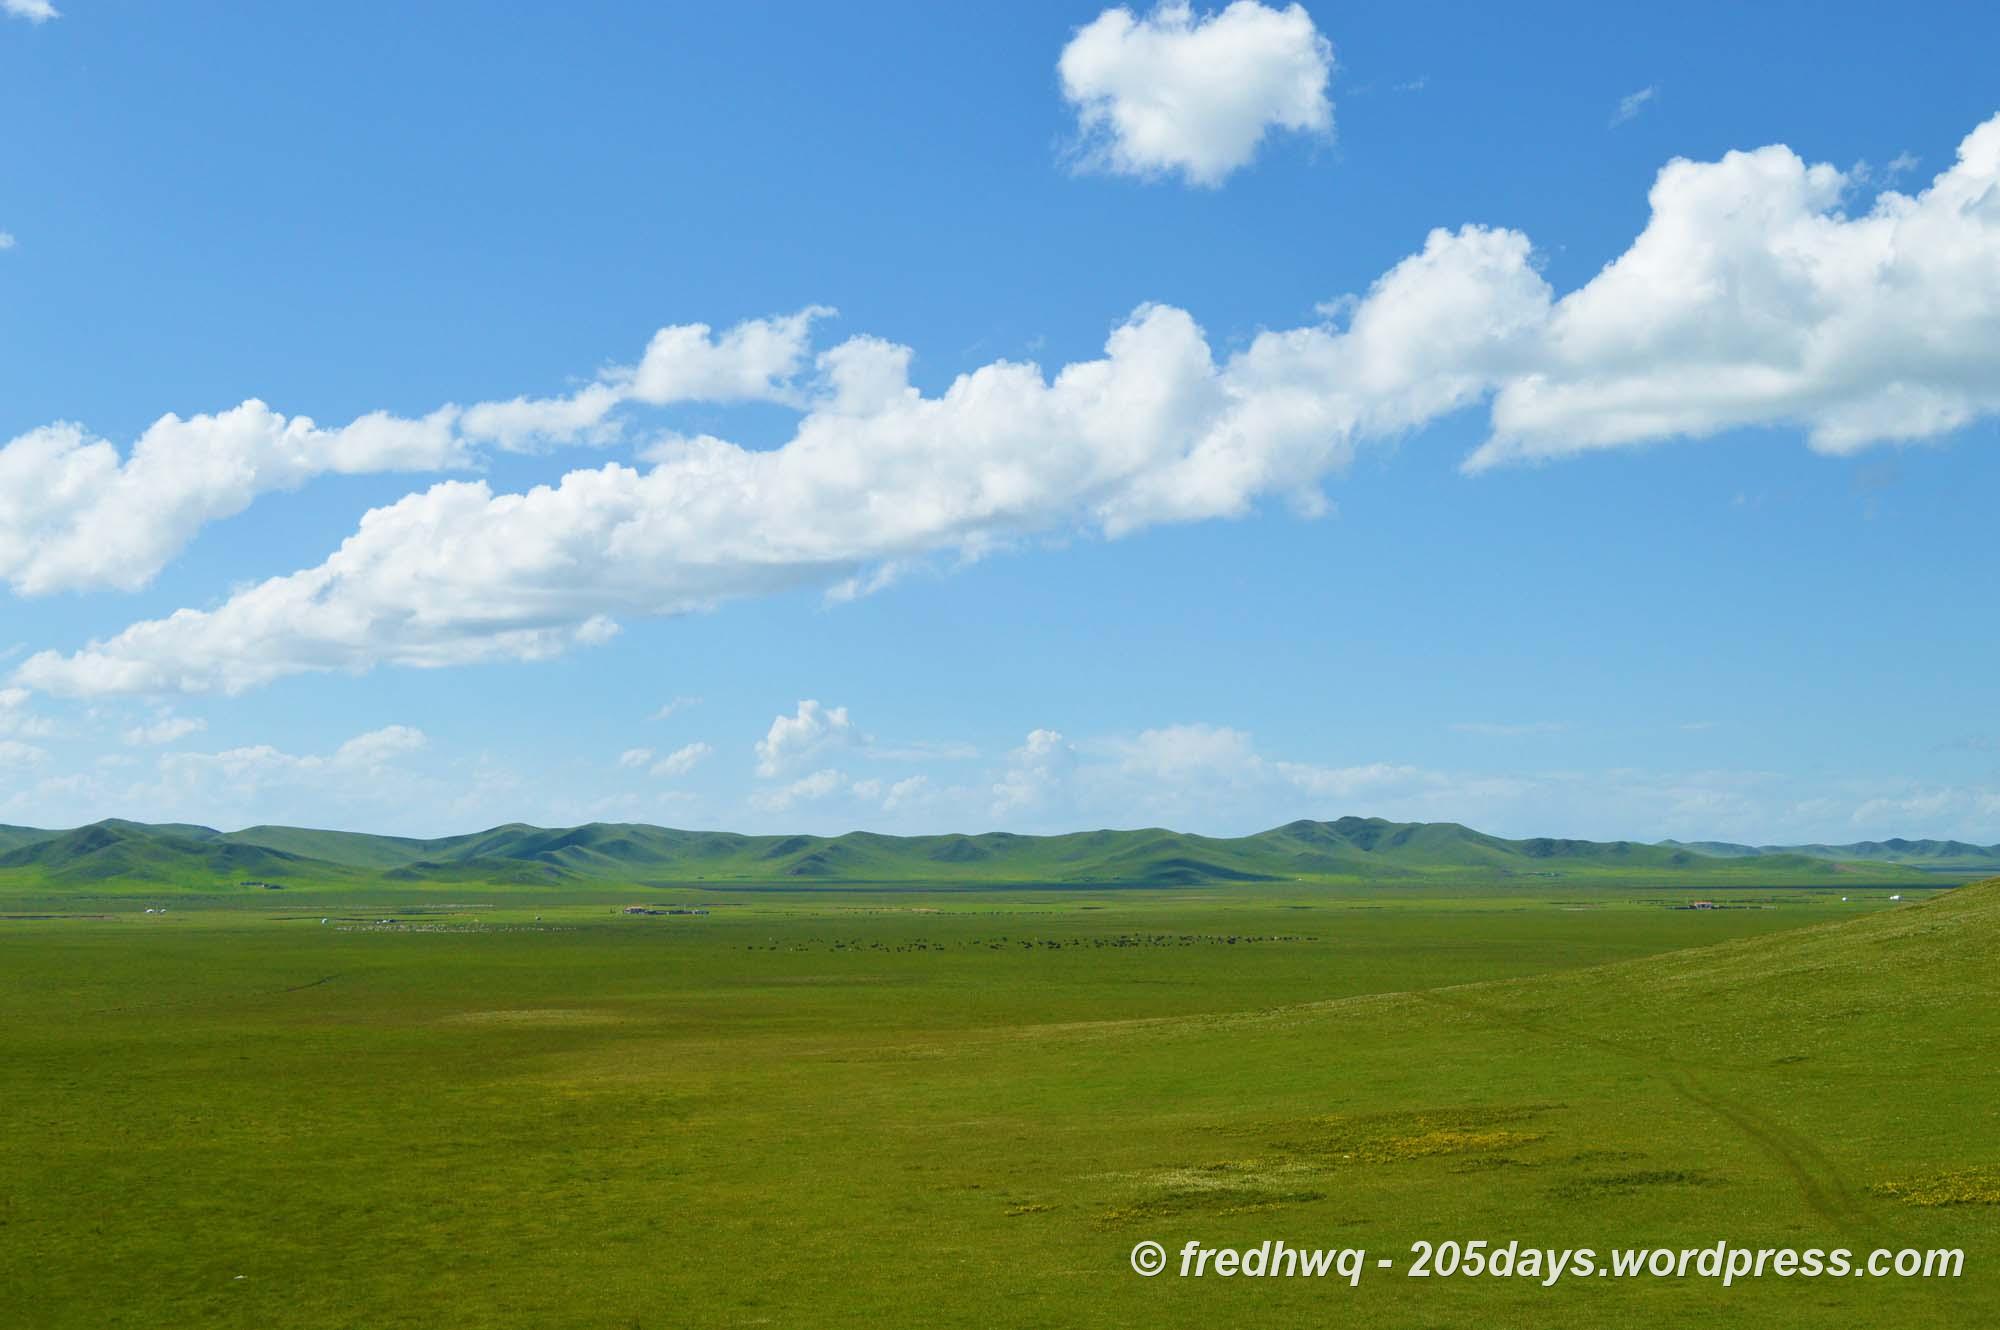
[(756, 360), (1371, 780), (682, 760), (1175, 772), (903, 793), (1928, 806), (75, 514), (891, 796), (263, 782), (805, 734), (753, 361), (870, 794), (522, 423), (1037, 772), (1219, 780), (17, 720), (377, 748), (1177, 754), (164, 730), (677, 763), (1155, 431), (1176, 92), (361, 755), (15, 753), (1191, 776), (35, 11), (807, 789), (1748, 300)]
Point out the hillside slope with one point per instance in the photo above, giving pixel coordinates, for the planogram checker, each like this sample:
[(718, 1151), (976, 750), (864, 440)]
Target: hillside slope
[(1953, 856), (127, 852), (1350, 848)]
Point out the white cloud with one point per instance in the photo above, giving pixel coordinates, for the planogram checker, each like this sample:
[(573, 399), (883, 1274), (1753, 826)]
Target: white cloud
[(1155, 431), (1177, 772), (1200, 777), (1751, 300), (755, 360), (674, 705), (1632, 103), (682, 760), (892, 796), (35, 11), (14, 753), (379, 747), (1217, 780), (17, 721), (1037, 773), (903, 793), (364, 754), (1177, 754), (807, 789), (793, 739), (76, 515), (6, 240), (164, 730), (1747, 301), (259, 782), (1177, 92), (1928, 807), (1373, 780), (677, 763), (522, 423)]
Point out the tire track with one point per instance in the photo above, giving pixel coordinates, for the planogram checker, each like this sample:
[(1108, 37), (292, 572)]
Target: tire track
[(1826, 1192), (1824, 1189)]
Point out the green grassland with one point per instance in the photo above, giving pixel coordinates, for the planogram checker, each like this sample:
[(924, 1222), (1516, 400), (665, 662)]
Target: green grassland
[(497, 1104)]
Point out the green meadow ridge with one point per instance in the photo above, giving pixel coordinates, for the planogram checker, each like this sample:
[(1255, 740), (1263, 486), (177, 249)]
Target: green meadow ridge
[(1352, 848), (1954, 856)]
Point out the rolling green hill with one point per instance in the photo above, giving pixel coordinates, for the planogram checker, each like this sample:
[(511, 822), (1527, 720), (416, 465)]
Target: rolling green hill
[(1350, 848), (1955, 856), (124, 851), (13, 838)]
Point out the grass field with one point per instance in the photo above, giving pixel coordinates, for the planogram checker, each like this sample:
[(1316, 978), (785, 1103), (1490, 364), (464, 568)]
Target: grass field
[(509, 1107)]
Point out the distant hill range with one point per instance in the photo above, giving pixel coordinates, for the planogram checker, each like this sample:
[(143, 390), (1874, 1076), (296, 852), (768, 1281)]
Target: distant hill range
[(113, 852), (1951, 856)]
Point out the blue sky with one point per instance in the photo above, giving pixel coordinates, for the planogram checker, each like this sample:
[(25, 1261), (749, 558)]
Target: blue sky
[(1350, 520)]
